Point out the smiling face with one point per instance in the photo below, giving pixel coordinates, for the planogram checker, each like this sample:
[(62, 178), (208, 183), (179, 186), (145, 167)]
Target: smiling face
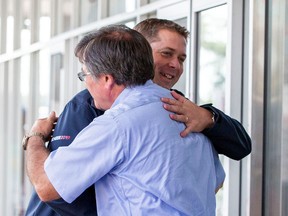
[(169, 53)]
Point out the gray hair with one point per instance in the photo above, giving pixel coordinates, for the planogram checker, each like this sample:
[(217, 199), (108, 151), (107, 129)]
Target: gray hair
[(119, 51)]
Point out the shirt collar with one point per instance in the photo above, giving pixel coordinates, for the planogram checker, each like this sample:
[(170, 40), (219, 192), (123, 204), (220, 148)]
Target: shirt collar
[(128, 90)]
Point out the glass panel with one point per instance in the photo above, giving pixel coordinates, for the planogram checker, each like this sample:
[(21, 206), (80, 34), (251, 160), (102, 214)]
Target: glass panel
[(130, 24), (212, 56), (143, 2), (44, 82), (10, 34), (284, 165), (89, 10), (24, 81), (212, 67), (120, 6), (67, 13), (45, 20), (276, 115), (44, 28), (26, 33), (56, 72)]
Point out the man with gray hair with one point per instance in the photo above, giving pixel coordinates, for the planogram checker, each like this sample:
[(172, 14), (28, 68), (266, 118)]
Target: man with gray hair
[(133, 153)]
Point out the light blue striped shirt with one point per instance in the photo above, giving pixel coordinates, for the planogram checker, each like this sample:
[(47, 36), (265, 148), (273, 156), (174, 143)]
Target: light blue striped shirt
[(138, 162)]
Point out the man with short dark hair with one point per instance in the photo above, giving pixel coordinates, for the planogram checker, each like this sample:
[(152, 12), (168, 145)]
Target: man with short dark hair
[(139, 164), (168, 40)]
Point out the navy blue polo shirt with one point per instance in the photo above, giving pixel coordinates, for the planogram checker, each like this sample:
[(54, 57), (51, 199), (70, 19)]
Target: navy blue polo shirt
[(77, 114)]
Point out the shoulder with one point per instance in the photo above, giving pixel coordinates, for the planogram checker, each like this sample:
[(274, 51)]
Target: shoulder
[(177, 91), (82, 97), (82, 102)]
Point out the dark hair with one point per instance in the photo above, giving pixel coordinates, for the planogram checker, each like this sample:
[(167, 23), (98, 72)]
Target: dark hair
[(117, 50), (149, 28)]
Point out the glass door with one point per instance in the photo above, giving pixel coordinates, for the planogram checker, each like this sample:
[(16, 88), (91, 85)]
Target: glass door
[(212, 68), (216, 71)]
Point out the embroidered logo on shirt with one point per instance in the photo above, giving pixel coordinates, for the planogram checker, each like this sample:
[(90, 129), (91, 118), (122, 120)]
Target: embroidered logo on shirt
[(62, 137)]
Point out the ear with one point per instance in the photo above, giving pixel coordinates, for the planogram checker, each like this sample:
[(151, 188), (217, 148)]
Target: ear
[(109, 81)]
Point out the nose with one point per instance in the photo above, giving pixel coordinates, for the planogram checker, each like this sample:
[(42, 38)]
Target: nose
[(175, 63)]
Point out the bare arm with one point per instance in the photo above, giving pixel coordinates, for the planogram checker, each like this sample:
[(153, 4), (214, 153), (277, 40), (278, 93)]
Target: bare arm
[(36, 154)]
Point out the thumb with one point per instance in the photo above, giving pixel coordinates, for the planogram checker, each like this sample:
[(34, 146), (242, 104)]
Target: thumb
[(52, 117)]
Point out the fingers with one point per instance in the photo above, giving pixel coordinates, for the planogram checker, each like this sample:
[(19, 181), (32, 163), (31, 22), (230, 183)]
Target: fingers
[(52, 117), (173, 105), (173, 108), (178, 97), (185, 132), (176, 105), (179, 118), (185, 111), (184, 119), (169, 101)]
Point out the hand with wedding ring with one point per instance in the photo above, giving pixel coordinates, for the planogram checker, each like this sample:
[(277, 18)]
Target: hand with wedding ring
[(194, 117)]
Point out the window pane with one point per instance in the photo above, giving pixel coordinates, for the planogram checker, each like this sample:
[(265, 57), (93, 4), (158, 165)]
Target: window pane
[(212, 67), (89, 10), (212, 56), (44, 81), (120, 6), (284, 165), (67, 13)]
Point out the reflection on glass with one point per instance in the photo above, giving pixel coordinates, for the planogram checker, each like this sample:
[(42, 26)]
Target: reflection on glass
[(89, 10), (130, 24), (151, 1), (44, 28), (25, 34), (44, 82), (212, 56), (10, 34), (284, 165), (24, 80), (212, 68), (56, 71), (120, 6), (145, 2), (67, 13)]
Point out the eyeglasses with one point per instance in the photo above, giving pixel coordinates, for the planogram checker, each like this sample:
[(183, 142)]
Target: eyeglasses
[(82, 75)]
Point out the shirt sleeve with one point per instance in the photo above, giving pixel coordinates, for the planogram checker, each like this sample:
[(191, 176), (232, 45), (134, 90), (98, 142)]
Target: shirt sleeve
[(228, 136), (72, 120), (94, 152)]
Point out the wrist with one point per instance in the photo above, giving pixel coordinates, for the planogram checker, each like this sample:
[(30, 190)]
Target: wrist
[(212, 119), (30, 135)]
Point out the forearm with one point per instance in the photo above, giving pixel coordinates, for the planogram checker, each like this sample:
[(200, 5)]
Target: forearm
[(36, 155), (228, 136)]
